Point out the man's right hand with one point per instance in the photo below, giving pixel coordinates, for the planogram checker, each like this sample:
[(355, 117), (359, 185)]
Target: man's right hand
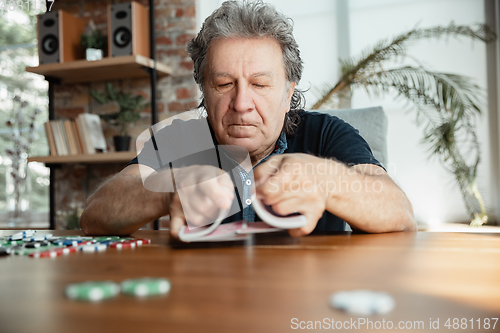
[(202, 191)]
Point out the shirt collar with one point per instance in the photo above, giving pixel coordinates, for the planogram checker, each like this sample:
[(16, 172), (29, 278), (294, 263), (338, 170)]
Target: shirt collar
[(279, 148)]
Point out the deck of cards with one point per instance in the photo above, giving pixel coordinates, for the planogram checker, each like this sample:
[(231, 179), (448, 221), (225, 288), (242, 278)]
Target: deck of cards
[(241, 229)]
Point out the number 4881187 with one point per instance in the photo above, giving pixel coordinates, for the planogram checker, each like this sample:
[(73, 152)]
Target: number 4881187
[(464, 323)]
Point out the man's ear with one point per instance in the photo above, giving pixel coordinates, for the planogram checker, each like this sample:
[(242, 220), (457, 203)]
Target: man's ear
[(289, 93)]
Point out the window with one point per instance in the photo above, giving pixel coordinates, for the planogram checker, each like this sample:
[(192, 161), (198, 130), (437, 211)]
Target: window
[(18, 50)]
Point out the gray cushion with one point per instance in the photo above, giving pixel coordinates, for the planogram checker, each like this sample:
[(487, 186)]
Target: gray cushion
[(372, 126)]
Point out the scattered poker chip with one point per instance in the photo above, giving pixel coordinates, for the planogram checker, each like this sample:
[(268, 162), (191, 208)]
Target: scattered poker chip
[(35, 244), (106, 238), (124, 245), (145, 286), (93, 247), (108, 242), (22, 234), (12, 243), (52, 253), (4, 251), (24, 251), (67, 242), (142, 241), (47, 245), (363, 302), (44, 254), (92, 291), (37, 237)]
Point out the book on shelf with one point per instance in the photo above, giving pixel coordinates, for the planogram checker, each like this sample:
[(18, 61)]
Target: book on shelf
[(58, 138), (84, 135), (94, 128), (70, 136), (50, 139), (81, 147)]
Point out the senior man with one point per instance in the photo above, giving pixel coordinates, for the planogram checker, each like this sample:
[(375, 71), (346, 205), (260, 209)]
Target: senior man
[(247, 65)]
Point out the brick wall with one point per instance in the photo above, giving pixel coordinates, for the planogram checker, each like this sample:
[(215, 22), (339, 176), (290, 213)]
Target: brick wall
[(175, 26)]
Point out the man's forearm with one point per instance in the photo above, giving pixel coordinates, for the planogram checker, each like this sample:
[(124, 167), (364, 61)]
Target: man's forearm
[(122, 205), (370, 201)]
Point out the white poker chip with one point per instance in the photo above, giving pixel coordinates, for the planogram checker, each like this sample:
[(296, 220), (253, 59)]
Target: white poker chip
[(363, 302), (93, 248), (22, 234)]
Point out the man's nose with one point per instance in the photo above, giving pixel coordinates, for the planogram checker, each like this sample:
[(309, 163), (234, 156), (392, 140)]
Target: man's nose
[(242, 100)]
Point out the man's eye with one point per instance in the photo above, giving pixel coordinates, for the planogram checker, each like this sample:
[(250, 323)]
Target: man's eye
[(260, 85), (224, 85)]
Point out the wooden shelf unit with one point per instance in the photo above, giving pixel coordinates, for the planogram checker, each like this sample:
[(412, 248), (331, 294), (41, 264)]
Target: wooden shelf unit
[(114, 157), (106, 69)]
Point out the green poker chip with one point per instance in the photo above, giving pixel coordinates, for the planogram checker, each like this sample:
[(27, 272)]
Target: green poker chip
[(105, 238), (92, 291), (25, 251), (145, 287)]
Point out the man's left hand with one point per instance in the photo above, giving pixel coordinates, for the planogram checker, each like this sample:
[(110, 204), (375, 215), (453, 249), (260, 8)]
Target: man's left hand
[(291, 183)]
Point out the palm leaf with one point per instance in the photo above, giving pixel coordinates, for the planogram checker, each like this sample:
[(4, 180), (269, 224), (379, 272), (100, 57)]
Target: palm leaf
[(446, 104)]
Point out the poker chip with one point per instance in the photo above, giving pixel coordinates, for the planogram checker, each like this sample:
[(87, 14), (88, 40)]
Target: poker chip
[(92, 291), (27, 251), (142, 241), (39, 245), (93, 247), (37, 237), (145, 286), (35, 244), (108, 242), (22, 234), (12, 243), (52, 253), (67, 242), (4, 251), (44, 254), (363, 302), (106, 238), (124, 245)]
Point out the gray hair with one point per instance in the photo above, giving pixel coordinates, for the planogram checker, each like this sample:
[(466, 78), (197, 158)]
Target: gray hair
[(251, 19)]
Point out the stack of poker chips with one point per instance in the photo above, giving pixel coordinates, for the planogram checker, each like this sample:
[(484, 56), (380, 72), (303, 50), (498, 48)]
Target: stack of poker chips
[(37, 245), (94, 291)]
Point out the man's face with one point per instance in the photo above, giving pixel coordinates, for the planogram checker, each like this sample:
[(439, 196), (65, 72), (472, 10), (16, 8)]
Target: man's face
[(246, 93)]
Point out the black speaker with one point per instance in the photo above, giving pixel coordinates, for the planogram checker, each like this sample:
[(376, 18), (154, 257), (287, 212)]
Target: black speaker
[(59, 36), (128, 30)]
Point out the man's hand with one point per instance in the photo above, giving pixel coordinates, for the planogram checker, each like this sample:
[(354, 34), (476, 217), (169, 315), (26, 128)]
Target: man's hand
[(202, 191), (362, 195), (288, 183)]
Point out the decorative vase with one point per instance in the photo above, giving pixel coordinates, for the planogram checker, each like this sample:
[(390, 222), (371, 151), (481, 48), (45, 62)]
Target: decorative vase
[(93, 54), (122, 143), (18, 191)]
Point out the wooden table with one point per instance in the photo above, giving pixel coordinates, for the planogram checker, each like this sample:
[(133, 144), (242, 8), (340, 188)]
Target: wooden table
[(262, 287)]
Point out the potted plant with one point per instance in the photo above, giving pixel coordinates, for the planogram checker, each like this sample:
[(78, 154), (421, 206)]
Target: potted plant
[(129, 111), (446, 104), (94, 42)]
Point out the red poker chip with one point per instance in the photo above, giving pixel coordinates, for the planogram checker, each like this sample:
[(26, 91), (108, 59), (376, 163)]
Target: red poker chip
[(124, 245), (45, 254), (142, 241), (52, 253), (65, 250)]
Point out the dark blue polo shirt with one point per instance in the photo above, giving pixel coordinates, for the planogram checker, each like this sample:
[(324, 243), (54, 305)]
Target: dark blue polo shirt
[(317, 134)]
